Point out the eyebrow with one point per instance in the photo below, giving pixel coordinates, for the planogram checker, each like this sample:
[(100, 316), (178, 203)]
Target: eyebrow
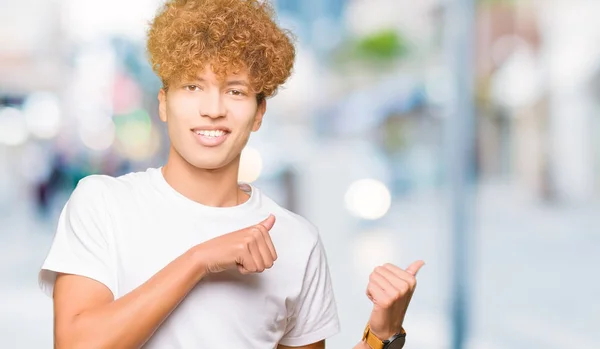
[(229, 82), (237, 82)]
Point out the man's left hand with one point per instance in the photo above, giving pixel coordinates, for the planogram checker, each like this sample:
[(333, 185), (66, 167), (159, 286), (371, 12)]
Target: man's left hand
[(390, 289)]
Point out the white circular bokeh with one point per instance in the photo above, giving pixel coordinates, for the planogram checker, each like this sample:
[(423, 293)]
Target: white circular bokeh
[(13, 128), (251, 165), (368, 199), (43, 115), (99, 139)]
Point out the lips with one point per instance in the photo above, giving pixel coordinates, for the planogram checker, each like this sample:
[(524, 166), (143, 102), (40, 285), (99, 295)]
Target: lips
[(210, 137)]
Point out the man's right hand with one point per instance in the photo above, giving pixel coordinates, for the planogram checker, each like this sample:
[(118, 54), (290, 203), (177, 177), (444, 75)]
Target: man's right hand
[(250, 249), (86, 310)]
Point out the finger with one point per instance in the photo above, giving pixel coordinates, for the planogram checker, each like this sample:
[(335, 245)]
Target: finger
[(414, 268), (256, 257), (269, 222), (409, 278), (369, 292), (377, 295), (265, 252), (384, 284), (246, 261), (267, 238), (399, 283)]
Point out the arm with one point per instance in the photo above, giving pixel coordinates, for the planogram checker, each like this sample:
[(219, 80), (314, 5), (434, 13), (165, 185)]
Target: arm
[(390, 289), (87, 316)]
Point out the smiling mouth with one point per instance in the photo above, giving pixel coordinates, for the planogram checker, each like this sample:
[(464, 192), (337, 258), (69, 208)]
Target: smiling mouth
[(210, 138), (211, 133)]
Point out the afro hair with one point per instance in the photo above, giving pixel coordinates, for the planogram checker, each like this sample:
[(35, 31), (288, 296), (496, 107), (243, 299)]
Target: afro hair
[(228, 35)]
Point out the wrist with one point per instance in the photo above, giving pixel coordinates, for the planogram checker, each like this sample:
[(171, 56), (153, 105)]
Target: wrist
[(381, 340), (198, 260), (383, 335), (388, 330)]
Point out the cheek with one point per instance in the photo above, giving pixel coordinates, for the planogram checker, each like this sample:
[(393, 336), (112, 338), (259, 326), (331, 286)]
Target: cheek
[(243, 115), (180, 114)]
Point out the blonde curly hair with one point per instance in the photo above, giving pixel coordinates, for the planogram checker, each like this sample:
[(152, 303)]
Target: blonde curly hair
[(228, 35)]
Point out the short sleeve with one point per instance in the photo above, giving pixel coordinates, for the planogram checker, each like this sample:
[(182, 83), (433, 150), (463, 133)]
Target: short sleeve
[(80, 245), (315, 316)]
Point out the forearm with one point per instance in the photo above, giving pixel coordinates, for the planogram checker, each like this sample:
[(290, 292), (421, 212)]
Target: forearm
[(128, 322)]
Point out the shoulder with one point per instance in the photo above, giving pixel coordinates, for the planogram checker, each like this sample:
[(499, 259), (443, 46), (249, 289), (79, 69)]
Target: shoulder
[(298, 230), (100, 189), (90, 188), (105, 184)]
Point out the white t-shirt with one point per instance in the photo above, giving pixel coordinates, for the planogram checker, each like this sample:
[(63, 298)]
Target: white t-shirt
[(121, 231)]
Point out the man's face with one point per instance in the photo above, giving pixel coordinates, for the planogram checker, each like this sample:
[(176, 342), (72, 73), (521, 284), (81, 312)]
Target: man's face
[(209, 121)]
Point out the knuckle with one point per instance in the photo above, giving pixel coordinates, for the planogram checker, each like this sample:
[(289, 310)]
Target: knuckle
[(386, 303)]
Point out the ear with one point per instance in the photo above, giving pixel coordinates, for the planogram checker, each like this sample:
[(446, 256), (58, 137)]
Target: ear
[(162, 105), (260, 113)]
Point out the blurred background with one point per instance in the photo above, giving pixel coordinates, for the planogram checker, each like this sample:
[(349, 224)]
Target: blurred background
[(464, 133)]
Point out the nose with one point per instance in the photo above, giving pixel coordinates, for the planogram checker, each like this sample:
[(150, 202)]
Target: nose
[(212, 106)]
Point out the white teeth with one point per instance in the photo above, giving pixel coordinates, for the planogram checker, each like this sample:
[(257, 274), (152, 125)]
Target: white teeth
[(211, 133)]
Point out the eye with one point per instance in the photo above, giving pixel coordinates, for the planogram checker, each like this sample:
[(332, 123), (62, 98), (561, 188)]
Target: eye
[(192, 88), (237, 93)]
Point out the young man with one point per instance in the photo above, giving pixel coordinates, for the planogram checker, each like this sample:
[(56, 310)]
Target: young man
[(182, 256)]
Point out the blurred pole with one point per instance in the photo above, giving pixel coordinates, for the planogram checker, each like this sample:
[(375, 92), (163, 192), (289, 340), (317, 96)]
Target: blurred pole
[(459, 159)]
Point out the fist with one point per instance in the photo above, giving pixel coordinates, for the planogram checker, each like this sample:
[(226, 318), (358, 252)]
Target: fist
[(390, 289), (250, 250)]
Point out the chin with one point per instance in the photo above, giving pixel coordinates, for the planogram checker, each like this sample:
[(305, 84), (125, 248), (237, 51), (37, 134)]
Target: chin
[(205, 159), (209, 163)]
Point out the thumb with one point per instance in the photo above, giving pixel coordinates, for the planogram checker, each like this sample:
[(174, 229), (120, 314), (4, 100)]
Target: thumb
[(269, 222), (414, 268)]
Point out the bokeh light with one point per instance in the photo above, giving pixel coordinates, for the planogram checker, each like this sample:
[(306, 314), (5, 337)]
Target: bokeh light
[(13, 129), (136, 139), (43, 115), (251, 165), (368, 199), (98, 139)]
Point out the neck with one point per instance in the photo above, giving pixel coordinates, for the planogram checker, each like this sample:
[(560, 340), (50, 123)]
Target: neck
[(216, 188)]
